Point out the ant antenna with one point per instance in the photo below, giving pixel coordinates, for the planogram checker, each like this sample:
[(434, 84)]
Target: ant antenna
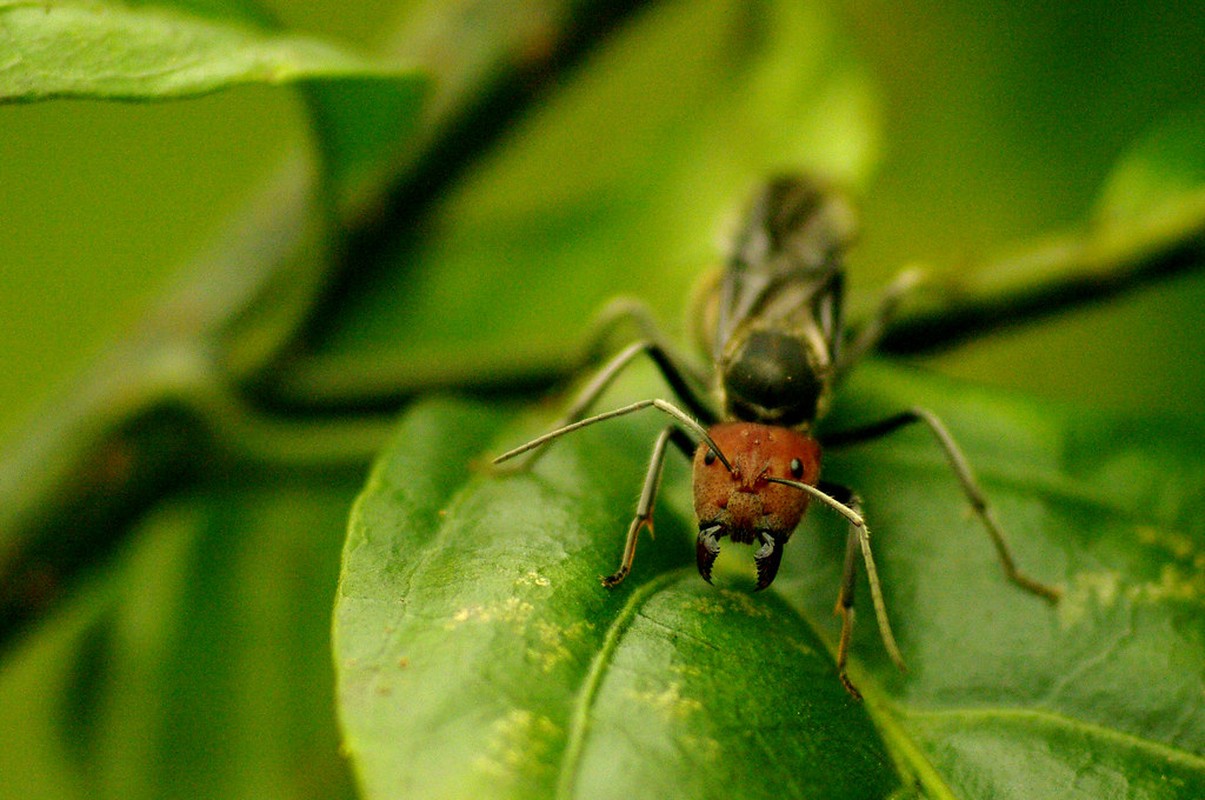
[(681, 416), (872, 574)]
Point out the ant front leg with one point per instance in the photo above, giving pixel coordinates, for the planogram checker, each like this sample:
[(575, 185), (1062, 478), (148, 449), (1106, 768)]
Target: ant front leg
[(648, 499), (966, 479)]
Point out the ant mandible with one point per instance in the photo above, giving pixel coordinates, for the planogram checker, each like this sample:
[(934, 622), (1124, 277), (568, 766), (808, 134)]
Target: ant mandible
[(772, 324)]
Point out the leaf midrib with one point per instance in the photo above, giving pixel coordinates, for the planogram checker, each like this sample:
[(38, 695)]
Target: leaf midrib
[(580, 716)]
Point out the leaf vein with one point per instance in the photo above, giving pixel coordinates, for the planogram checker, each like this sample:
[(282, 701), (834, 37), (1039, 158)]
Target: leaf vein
[(580, 718), (1167, 752)]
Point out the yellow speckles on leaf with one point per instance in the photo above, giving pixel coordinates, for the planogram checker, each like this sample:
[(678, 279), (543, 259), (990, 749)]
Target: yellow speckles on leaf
[(728, 601), (800, 646), (703, 748), (1103, 589), (744, 603), (1183, 581), (1173, 584), (1177, 544), (512, 611), (533, 578), (519, 744), (711, 604), (553, 640), (1088, 589), (668, 701), (687, 670), (549, 644)]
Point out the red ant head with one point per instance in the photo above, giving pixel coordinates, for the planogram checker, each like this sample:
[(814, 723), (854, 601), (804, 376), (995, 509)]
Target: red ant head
[(743, 503)]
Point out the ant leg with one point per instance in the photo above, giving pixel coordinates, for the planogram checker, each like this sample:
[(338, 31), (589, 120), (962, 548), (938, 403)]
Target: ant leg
[(687, 380), (871, 332), (845, 608), (630, 309), (966, 478), (648, 499), (669, 368)]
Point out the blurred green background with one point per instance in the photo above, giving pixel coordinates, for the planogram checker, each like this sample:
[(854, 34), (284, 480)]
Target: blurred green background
[(168, 671), (1000, 122)]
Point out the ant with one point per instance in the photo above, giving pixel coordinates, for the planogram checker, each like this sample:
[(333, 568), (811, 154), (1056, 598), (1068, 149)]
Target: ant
[(772, 323)]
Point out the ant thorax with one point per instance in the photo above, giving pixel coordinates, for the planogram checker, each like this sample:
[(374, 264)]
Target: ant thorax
[(776, 377)]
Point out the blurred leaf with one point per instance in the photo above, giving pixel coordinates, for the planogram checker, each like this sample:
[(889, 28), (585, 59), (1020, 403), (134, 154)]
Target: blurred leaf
[(97, 460), (362, 126), (619, 183), (477, 655), (95, 50), (195, 666), (363, 110), (1149, 225), (1165, 167)]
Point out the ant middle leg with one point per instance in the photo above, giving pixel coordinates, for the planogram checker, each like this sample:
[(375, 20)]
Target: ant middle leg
[(648, 498), (685, 382), (966, 479)]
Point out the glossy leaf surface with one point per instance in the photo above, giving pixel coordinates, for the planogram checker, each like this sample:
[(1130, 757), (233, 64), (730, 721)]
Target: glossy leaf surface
[(477, 653)]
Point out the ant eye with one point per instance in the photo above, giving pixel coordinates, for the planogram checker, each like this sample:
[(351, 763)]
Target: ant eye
[(709, 457), (796, 468)]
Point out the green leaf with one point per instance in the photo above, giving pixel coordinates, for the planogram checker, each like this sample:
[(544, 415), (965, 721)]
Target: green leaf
[(114, 52), (1164, 169), (477, 655)]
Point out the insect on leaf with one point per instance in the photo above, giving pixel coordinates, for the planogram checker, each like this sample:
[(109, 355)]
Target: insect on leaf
[(477, 654)]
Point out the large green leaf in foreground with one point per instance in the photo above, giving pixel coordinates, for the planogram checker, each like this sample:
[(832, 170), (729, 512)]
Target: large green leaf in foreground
[(478, 656)]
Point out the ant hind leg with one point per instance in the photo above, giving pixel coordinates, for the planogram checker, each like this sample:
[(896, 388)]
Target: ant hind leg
[(872, 331), (967, 481)]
